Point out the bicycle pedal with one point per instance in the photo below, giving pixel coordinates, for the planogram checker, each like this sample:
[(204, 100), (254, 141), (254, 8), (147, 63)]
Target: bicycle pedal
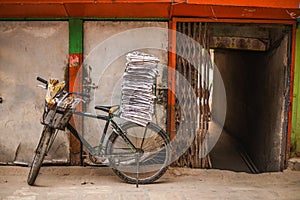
[(101, 160)]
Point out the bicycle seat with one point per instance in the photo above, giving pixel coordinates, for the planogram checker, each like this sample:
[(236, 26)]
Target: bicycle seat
[(109, 109)]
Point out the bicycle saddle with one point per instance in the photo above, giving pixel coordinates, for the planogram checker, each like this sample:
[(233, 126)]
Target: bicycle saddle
[(109, 109)]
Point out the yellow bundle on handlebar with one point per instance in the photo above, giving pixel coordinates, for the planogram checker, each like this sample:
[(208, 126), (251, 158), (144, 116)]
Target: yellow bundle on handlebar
[(59, 104), (54, 87)]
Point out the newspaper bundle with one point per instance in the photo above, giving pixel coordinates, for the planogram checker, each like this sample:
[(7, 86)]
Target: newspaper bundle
[(137, 103)]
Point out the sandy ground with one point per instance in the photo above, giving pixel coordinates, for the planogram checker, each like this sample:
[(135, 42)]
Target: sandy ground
[(177, 183)]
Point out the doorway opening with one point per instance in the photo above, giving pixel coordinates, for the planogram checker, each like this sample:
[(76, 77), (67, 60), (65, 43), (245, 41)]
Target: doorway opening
[(254, 62)]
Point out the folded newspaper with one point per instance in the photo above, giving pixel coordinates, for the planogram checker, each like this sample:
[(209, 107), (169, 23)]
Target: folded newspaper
[(137, 88)]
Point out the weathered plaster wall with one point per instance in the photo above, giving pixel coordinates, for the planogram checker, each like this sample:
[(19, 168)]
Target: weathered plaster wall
[(105, 47), (29, 49), (255, 84)]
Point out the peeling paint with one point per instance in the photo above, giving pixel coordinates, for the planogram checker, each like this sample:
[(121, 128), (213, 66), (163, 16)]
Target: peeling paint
[(292, 14), (248, 12), (74, 60)]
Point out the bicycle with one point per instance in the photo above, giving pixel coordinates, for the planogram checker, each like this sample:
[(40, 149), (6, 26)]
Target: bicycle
[(137, 154)]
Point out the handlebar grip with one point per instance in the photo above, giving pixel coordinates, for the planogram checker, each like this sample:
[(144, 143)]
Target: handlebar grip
[(42, 80)]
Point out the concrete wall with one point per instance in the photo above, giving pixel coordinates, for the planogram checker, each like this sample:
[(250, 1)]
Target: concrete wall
[(35, 48), (255, 84), (105, 47), (29, 49)]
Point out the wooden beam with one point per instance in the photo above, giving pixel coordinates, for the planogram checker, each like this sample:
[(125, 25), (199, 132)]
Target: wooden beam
[(75, 84), (265, 3), (240, 43), (269, 9), (171, 122)]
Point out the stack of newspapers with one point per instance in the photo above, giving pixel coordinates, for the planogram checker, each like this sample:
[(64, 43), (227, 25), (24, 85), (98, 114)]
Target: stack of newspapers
[(137, 103)]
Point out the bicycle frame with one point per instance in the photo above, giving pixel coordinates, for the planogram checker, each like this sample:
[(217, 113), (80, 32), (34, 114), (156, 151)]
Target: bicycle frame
[(115, 126), (56, 117), (108, 118)]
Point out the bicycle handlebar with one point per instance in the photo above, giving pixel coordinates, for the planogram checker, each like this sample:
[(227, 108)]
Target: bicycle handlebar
[(76, 93), (42, 80)]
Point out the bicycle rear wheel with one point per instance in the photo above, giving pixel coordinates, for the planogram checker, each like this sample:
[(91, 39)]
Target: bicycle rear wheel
[(152, 144), (40, 153)]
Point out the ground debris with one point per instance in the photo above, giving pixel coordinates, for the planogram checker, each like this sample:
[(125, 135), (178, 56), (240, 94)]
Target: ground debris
[(86, 182)]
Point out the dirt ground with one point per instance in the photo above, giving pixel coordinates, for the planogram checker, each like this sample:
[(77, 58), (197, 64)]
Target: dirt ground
[(178, 183)]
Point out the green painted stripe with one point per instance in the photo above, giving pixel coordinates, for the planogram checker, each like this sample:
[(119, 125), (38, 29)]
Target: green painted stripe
[(75, 36), (76, 31), (295, 135)]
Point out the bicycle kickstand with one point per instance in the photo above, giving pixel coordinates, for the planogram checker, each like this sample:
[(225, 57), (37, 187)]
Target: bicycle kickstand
[(137, 170)]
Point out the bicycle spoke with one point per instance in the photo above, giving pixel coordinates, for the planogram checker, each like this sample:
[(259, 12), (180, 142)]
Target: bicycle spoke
[(143, 138), (153, 154)]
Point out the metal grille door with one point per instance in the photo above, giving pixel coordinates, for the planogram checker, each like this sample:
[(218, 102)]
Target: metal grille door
[(192, 91)]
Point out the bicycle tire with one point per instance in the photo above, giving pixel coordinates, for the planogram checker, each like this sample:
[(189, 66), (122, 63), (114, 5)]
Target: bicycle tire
[(40, 154), (156, 145)]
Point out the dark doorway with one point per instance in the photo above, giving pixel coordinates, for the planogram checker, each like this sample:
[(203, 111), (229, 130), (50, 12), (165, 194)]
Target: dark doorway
[(254, 62)]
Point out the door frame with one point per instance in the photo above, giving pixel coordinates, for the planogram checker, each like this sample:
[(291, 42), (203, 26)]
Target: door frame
[(171, 125)]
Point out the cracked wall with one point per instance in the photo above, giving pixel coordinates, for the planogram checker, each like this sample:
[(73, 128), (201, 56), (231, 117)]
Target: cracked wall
[(106, 44), (29, 49)]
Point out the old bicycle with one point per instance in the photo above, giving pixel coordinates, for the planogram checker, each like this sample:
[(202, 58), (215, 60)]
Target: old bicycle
[(137, 154)]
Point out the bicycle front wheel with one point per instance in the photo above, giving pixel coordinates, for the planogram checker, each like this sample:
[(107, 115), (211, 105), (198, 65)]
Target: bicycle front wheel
[(150, 161), (40, 153)]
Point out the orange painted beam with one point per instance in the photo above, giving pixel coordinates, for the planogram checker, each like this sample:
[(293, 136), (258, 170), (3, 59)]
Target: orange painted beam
[(118, 10), (82, 1), (265, 3), (249, 21), (115, 10), (32, 10), (221, 12), (75, 85), (171, 122), (268, 9), (139, 10)]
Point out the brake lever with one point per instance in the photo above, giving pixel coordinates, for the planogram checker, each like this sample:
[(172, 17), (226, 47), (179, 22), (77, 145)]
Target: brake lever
[(42, 86)]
